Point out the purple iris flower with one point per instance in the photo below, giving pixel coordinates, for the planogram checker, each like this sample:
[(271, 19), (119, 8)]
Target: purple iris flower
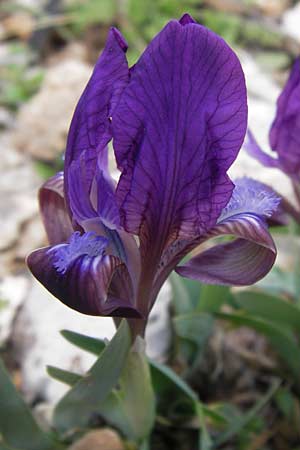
[(284, 138), (177, 120)]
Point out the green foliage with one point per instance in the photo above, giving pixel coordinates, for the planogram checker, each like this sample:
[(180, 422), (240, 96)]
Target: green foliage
[(240, 31), (3, 303), (82, 402), (18, 428), (47, 169), (89, 12), (267, 314), (91, 345), (18, 84), (193, 331), (131, 406)]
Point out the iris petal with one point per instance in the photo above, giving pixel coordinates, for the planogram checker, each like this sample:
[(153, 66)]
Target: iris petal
[(248, 258), (84, 278), (251, 196), (177, 129), (52, 206), (285, 130), (240, 262), (254, 150), (90, 128)]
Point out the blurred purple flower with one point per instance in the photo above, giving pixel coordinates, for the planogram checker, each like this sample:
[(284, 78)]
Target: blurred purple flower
[(177, 120), (284, 137)]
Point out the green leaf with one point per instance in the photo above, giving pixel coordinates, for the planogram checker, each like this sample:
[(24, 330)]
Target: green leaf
[(90, 344), (270, 307), (239, 425), (193, 330), (278, 282), (18, 428), (185, 293), (281, 339), (285, 402), (131, 407), (6, 447), (205, 442), (212, 298), (69, 378), (166, 380), (83, 401)]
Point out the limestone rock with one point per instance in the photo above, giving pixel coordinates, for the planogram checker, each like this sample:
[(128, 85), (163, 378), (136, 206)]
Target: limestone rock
[(12, 294), (104, 439), (18, 188), (290, 22), (272, 8), (43, 122), (37, 341)]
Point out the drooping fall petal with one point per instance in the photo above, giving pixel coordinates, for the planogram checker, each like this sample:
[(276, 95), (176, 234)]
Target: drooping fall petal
[(84, 278), (248, 258), (240, 262), (177, 129), (53, 210)]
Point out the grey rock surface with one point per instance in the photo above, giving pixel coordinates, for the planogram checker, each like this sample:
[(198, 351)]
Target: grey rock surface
[(43, 122)]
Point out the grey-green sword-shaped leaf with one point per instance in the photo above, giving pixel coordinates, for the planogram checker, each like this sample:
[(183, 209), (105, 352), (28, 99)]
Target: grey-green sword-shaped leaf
[(18, 427), (83, 401)]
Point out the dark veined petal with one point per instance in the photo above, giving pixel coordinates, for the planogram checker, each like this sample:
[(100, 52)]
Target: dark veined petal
[(248, 258), (285, 130), (90, 128), (53, 210), (177, 129), (80, 199), (120, 244), (254, 150), (84, 278), (240, 262)]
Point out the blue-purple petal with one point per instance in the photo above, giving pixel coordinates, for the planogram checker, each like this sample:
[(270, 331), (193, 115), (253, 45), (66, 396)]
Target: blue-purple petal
[(237, 263), (84, 278), (254, 150), (252, 197), (90, 128), (241, 262), (285, 130), (177, 129), (53, 210)]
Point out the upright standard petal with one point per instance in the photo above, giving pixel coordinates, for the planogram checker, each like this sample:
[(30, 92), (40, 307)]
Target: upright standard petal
[(177, 129), (248, 258), (90, 128), (84, 277), (53, 210), (285, 130)]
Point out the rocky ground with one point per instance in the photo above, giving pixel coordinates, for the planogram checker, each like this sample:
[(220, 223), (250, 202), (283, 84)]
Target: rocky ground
[(30, 319)]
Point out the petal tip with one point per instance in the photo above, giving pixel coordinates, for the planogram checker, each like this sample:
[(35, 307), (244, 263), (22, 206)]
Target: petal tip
[(186, 19), (120, 39)]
